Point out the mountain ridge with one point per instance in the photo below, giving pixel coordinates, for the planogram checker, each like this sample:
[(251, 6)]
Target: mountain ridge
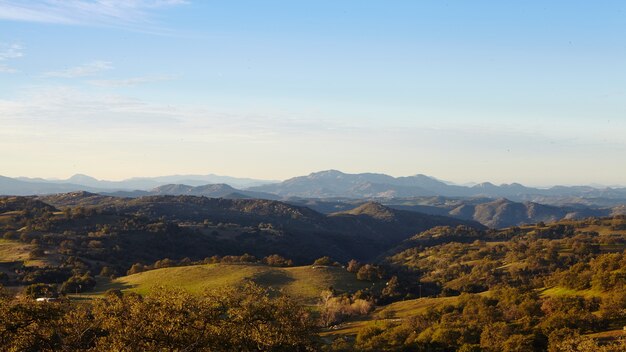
[(142, 183), (322, 184), (334, 183)]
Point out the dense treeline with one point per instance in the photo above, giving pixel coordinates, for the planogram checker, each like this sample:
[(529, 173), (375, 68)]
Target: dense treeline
[(242, 319)]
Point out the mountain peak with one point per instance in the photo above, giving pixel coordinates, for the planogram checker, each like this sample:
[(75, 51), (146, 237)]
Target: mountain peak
[(172, 189), (485, 185), (326, 174), (374, 210), (501, 200), (424, 176), (81, 178)]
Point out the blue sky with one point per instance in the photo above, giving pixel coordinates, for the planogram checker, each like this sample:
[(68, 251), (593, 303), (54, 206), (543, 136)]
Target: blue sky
[(530, 92)]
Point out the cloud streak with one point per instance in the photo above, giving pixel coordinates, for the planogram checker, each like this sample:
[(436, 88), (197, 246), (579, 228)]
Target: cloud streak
[(117, 13), (129, 82), (9, 52), (88, 69), (74, 112)]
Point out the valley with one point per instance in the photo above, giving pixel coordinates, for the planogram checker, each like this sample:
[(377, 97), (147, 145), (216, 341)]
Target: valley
[(366, 271)]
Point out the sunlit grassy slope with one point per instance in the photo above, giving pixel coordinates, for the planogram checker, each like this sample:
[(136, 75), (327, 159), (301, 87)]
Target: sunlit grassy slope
[(303, 283), (409, 308), (396, 312), (563, 291), (14, 251)]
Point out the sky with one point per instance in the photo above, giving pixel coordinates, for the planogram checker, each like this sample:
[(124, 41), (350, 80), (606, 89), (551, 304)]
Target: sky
[(531, 92)]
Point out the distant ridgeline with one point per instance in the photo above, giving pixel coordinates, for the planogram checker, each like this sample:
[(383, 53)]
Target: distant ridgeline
[(333, 191), (324, 184)]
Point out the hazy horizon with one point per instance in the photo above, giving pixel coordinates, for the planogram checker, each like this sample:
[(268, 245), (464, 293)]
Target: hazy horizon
[(462, 91), (460, 183)]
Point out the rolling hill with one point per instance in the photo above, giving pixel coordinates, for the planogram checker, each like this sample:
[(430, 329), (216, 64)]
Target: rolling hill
[(300, 233), (503, 212), (494, 213), (304, 283), (220, 190), (123, 231)]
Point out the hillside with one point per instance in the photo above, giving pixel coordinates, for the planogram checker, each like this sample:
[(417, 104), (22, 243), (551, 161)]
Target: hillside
[(303, 234), (494, 213), (394, 222), (569, 273), (220, 190), (469, 260), (14, 251), (81, 198), (530, 282), (373, 210), (393, 313), (498, 213), (119, 232), (303, 283), (9, 204)]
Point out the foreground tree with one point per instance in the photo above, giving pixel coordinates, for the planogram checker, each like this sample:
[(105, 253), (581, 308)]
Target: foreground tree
[(232, 319)]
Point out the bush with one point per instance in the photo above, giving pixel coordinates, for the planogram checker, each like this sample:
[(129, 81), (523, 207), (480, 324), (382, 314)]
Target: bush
[(136, 268), (353, 266), (41, 290), (10, 235), (36, 253), (107, 272), (4, 278), (323, 261), (78, 283), (277, 260), (368, 272)]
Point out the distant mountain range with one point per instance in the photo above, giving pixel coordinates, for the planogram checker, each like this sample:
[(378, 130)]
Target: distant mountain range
[(322, 185), (333, 183), (33, 186), (219, 190)]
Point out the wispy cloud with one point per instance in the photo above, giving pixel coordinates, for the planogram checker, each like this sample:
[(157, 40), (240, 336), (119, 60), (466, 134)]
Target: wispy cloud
[(68, 110), (88, 69), (9, 52), (129, 82), (118, 13)]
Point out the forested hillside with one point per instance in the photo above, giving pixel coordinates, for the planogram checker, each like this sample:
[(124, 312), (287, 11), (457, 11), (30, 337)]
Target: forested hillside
[(370, 278)]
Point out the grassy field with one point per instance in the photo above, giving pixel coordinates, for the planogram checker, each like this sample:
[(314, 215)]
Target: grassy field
[(14, 251), (397, 311), (303, 283), (611, 335), (563, 291), (605, 230), (405, 309)]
